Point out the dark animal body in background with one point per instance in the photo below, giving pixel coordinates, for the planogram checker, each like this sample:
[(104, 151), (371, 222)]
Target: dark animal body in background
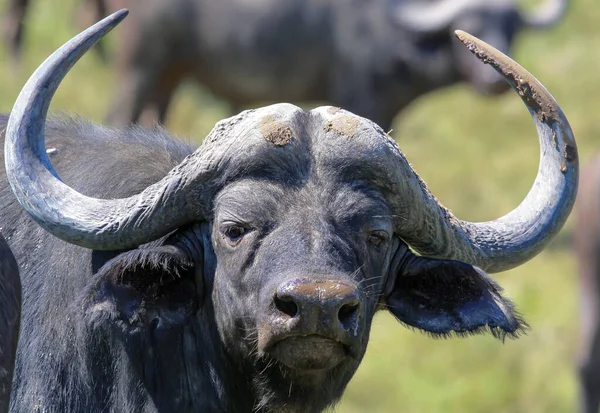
[(12, 23), (10, 311), (587, 247), (15, 15), (243, 276), (372, 58)]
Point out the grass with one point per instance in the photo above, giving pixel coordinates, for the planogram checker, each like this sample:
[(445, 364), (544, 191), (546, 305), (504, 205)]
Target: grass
[(479, 156)]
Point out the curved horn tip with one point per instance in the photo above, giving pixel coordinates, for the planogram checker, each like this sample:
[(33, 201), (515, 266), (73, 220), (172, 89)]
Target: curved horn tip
[(108, 23), (535, 95), (539, 101), (117, 16), (114, 19)]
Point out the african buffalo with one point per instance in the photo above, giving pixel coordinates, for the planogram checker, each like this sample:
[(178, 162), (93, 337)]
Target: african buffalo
[(10, 311), (243, 276), (370, 57), (587, 247)]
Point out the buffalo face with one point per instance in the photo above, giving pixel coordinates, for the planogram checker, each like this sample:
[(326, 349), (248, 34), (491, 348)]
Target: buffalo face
[(300, 275), (302, 270)]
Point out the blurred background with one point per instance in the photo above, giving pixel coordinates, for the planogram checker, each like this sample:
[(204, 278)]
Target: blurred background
[(479, 155)]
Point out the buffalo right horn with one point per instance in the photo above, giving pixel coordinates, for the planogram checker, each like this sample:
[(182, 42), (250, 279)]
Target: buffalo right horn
[(89, 222)]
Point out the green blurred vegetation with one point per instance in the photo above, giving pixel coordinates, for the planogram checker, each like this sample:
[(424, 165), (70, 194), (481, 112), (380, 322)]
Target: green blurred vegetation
[(479, 156)]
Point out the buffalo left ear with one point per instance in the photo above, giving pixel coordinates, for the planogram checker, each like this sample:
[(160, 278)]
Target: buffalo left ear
[(445, 297)]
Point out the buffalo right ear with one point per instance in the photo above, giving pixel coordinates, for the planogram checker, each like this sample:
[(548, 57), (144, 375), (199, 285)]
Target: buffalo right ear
[(143, 288), (445, 297)]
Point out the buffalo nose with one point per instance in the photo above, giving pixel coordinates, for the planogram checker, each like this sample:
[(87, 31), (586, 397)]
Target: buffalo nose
[(331, 304)]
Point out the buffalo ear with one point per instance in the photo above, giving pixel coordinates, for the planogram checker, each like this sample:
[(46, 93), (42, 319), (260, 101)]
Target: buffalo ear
[(445, 297), (146, 287)]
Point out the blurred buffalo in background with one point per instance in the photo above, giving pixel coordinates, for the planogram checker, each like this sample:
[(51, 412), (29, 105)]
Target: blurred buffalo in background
[(14, 20), (587, 248), (12, 26), (10, 310), (370, 57)]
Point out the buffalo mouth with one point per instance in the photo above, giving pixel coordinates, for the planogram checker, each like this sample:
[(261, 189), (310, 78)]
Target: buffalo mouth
[(309, 353)]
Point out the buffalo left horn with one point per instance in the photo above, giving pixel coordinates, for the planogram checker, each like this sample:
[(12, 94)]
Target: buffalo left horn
[(521, 234)]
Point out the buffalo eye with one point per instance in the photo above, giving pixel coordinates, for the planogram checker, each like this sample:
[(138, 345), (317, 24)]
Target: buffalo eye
[(234, 233), (378, 238)]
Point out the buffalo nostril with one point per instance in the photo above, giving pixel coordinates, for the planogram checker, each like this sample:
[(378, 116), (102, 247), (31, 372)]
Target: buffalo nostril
[(286, 305), (347, 312)]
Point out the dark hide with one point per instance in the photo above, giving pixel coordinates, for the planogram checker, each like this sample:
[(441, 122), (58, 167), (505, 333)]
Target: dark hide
[(187, 322), (351, 53), (10, 311)]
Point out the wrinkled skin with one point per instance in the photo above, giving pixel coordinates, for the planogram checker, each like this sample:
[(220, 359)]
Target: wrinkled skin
[(587, 248), (202, 320), (10, 310), (354, 54)]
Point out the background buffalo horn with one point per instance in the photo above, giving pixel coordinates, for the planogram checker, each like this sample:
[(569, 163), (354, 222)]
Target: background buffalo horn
[(521, 234), (430, 17), (548, 14), (71, 216)]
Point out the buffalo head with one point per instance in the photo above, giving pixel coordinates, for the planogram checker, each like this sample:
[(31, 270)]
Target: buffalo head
[(287, 230)]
